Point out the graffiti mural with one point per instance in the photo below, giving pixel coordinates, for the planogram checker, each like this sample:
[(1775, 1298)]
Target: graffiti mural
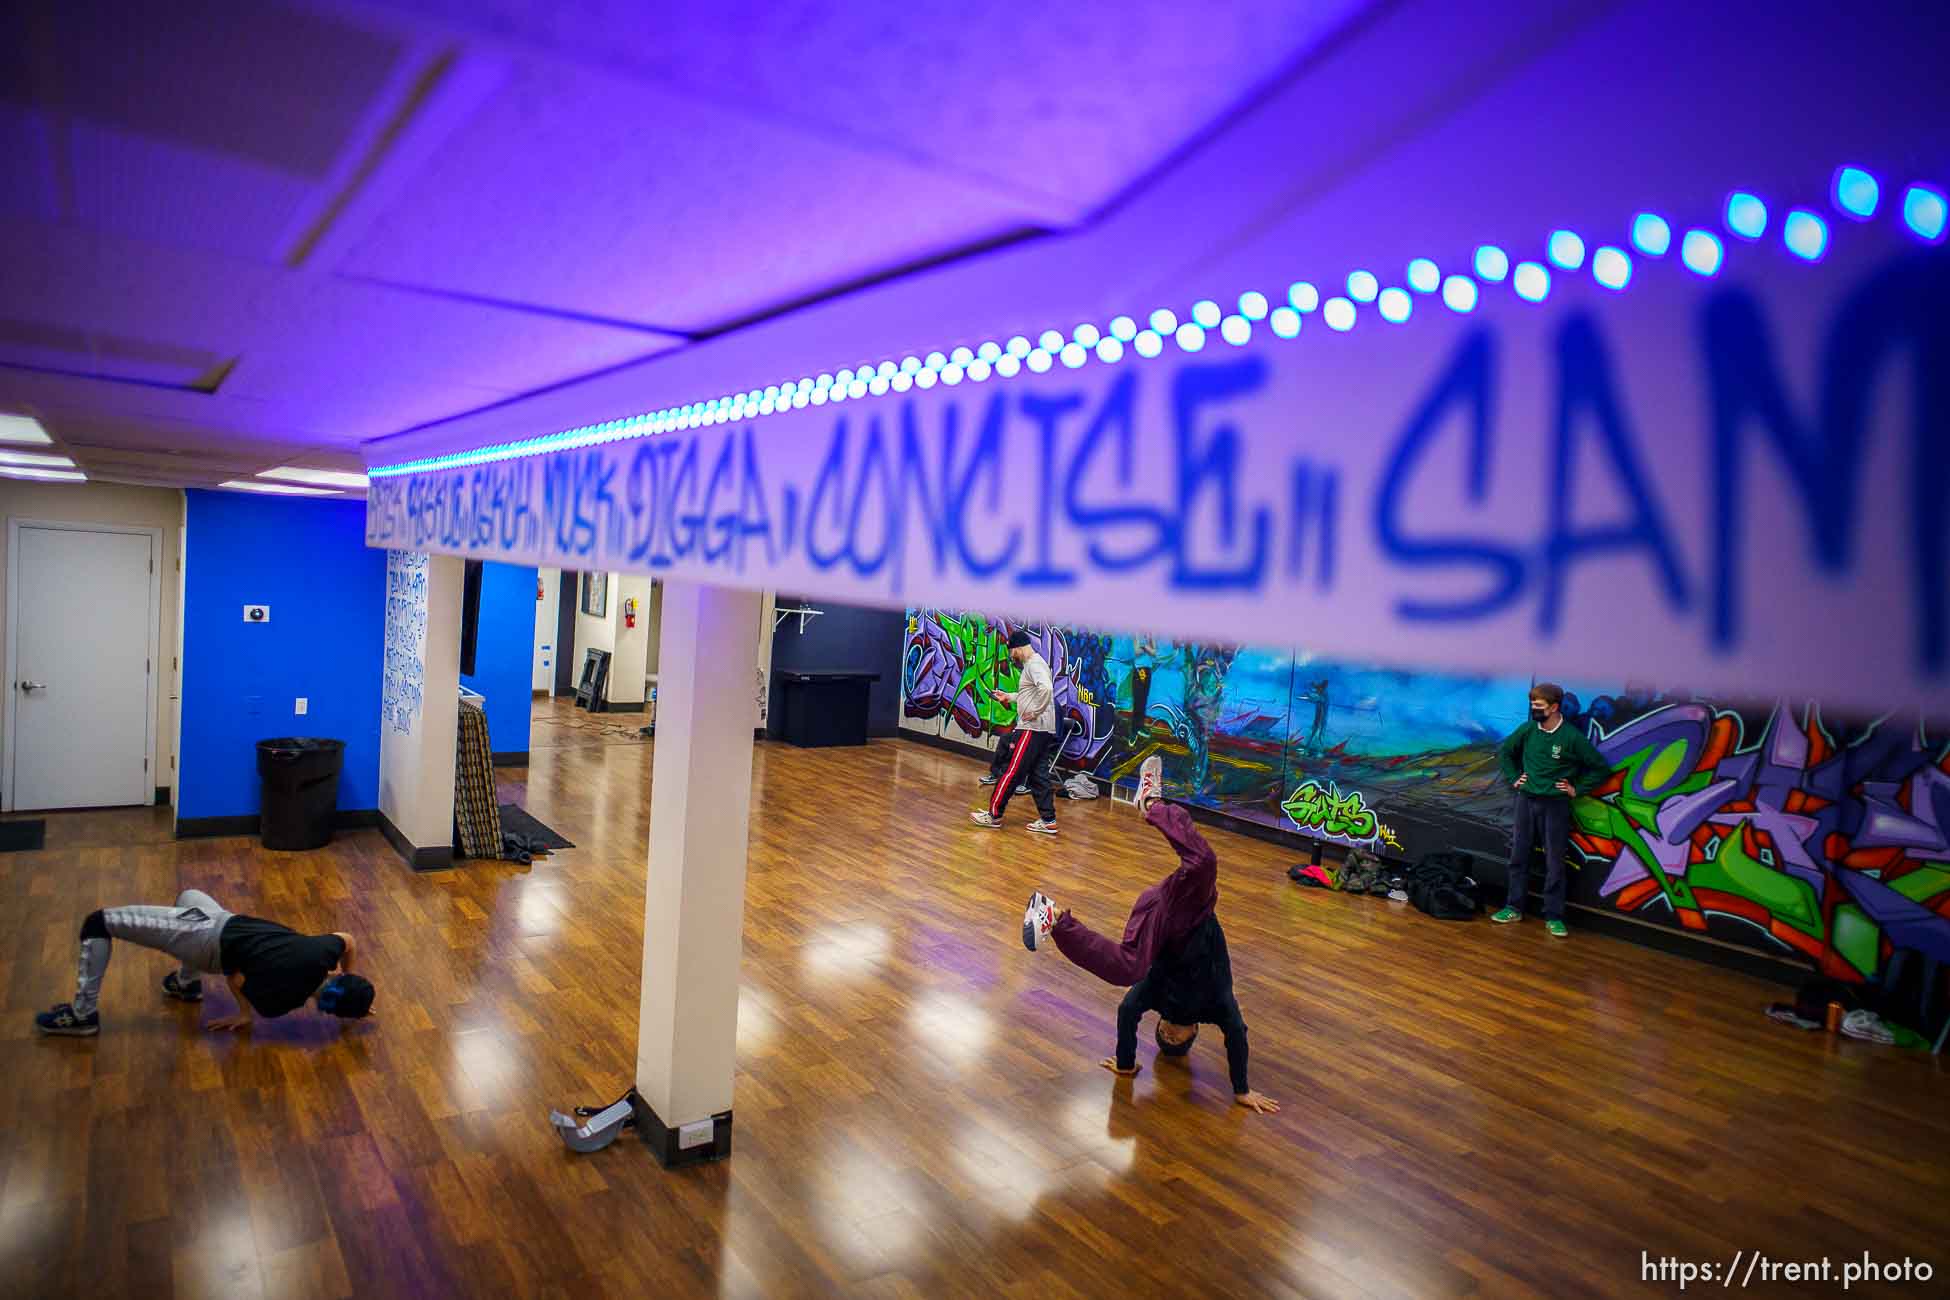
[(952, 660), (1241, 729), (1774, 829), (1336, 816), (404, 675)]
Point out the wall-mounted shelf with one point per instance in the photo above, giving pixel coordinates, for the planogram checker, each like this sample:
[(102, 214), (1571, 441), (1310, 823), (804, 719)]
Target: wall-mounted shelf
[(804, 612)]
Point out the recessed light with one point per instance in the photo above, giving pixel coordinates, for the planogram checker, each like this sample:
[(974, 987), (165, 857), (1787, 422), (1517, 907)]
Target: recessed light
[(22, 428), (281, 489), (34, 458), (320, 477), (46, 475)]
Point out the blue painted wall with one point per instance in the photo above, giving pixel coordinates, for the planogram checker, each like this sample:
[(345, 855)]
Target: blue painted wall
[(307, 559), (504, 655), (845, 639)]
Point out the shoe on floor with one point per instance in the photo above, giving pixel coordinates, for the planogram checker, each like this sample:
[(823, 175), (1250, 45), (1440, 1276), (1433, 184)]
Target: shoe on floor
[(62, 1020), (176, 988), (1506, 915), (1021, 789), (1787, 1015), (983, 819), (1558, 929), (1037, 919), (1867, 1026), (988, 780), (1042, 827), (1151, 779)]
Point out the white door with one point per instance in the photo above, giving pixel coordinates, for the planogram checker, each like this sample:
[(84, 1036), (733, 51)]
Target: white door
[(81, 619)]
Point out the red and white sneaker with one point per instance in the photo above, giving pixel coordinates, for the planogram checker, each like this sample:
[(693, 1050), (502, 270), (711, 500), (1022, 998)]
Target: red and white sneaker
[(1151, 781), (983, 819), (1037, 920), (1041, 827)]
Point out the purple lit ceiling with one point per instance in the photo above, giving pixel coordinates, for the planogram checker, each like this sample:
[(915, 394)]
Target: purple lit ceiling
[(233, 236)]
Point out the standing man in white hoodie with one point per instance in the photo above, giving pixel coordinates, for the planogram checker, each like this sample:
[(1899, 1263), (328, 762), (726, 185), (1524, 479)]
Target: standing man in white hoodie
[(1035, 747)]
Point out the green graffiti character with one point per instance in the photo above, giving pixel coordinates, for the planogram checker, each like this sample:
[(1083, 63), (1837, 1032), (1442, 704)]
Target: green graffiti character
[(1344, 816)]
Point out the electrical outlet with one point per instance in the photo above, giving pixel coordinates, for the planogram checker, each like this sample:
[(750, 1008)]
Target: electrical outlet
[(304, 705), (695, 1135), (257, 613)]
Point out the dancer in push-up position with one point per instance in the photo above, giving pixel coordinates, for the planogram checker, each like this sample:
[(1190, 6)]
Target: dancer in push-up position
[(1173, 955), (271, 968)]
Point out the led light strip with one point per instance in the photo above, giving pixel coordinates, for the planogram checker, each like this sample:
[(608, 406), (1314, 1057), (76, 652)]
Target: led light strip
[(1854, 192)]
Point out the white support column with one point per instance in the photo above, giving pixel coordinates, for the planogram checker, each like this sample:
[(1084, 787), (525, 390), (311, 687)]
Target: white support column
[(694, 905), (421, 706)]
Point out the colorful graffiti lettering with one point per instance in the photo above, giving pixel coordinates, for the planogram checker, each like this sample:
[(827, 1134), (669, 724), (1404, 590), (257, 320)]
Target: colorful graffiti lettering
[(1834, 851), (1333, 814), (952, 659)]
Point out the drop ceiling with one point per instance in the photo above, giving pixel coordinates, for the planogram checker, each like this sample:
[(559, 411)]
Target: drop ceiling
[(239, 236)]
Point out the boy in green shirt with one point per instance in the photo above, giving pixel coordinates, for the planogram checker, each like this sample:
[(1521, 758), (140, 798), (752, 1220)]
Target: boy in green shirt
[(1548, 764)]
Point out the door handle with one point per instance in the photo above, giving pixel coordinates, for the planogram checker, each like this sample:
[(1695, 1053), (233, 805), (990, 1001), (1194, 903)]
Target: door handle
[(33, 686)]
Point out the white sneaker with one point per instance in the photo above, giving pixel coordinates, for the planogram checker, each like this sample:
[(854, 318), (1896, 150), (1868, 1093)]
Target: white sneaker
[(1042, 827), (983, 819), (1151, 780), (1037, 919)]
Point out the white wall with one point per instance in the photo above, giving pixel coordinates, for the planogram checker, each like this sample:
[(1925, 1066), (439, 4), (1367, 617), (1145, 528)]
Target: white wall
[(631, 655), (762, 685), (654, 625), (545, 647), (112, 503)]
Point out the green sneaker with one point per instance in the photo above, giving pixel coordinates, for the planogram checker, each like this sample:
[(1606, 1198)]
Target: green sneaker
[(1507, 915), (1557, 929)]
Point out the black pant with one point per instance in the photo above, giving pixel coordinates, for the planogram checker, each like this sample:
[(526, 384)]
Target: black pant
[(1549, 816), (1034, 756), (1004, 750)]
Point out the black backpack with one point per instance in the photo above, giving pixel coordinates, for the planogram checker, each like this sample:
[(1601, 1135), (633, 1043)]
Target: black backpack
[(1443, 884)]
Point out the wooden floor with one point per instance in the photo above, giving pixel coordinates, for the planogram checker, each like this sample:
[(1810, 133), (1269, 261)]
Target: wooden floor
[(1468, 1109)]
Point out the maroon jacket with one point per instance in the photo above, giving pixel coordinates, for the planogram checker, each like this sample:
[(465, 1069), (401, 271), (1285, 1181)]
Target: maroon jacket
[(1163, 914)]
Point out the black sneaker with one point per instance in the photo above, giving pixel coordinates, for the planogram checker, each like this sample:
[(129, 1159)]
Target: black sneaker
[(175, 988), (62, 1020)]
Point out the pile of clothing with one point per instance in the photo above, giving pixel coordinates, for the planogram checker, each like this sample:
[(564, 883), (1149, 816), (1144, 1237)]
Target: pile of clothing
[(1443, 883), (1363, 873)]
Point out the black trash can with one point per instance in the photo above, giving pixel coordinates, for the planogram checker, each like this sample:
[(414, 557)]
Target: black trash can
[(301, 790)]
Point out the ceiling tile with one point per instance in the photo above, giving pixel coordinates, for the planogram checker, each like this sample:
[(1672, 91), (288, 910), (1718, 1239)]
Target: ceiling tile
[(592, 194)]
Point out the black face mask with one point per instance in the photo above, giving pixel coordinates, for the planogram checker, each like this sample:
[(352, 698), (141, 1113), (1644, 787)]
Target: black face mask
[(1540, 711)]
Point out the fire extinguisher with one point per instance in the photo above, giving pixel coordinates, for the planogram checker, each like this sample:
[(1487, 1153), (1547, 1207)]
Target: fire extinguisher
[(629, 612)]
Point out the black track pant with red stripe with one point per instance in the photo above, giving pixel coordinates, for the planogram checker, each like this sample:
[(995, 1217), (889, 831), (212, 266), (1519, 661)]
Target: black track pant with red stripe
[(1005, 750), (1035, 754)]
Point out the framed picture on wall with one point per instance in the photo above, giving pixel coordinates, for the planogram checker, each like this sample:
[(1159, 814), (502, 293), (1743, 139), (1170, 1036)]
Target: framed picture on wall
[(595, 594)]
